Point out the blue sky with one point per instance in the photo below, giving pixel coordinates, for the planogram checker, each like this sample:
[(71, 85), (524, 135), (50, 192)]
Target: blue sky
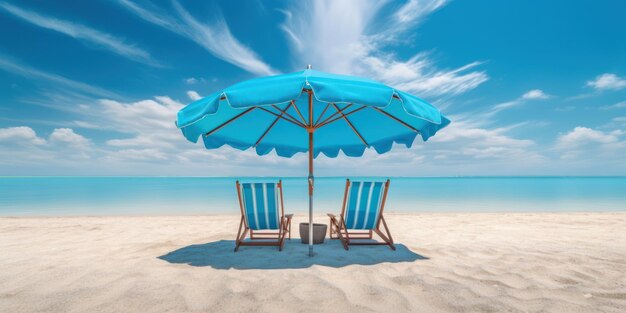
[(532, 87)]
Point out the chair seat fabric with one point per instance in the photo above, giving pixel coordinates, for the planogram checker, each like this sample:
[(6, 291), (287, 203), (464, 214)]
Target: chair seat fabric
[(260, 202), (364, 204)]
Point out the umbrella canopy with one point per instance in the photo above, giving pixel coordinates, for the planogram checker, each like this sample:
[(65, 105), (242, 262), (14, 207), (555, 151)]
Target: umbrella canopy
[(309, 111)]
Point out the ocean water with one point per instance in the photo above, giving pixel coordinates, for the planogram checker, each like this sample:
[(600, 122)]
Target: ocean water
[(52, 196)]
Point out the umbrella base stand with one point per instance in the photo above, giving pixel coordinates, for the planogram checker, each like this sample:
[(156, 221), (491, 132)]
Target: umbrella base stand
[(319, 233)]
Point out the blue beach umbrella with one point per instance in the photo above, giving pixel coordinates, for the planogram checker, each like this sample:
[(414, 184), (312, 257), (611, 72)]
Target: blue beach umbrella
[(309, 111)]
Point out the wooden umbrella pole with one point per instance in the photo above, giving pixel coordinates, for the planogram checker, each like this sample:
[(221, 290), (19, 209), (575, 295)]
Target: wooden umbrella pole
[(311, 130)]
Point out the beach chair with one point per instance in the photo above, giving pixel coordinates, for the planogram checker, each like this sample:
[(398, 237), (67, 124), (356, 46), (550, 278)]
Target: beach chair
[(362, 215), (262, 215)]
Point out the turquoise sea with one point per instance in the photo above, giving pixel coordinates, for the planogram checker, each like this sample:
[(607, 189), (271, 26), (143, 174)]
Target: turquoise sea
[(51, 196)]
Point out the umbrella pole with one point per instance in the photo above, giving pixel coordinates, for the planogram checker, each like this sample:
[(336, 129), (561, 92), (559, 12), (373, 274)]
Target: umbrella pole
[(311, 181), (311, 129)]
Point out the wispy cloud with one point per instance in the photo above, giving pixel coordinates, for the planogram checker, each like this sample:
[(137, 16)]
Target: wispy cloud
[(338, 36), (619, 105), (83, 33), (608, 81), (215, 37), (534, 94), (13, 66)]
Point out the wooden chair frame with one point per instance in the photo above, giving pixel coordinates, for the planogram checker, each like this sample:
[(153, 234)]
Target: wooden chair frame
[(339, 230), (269, 238)]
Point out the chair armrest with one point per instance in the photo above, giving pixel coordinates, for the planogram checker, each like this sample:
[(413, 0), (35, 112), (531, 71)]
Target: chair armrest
[(288, 216), (331, 215)]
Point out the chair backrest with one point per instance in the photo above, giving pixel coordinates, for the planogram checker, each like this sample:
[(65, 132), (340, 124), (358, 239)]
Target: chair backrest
[(363, 204), (261, 204)]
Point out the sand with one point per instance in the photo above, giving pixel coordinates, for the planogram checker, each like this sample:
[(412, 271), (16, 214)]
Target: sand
[(470, 262)]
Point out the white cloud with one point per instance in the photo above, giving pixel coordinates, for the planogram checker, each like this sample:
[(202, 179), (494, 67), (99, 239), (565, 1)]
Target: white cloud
[(581, 136), (148, 126), (22, 149), (67, 136), (21, 134), (82, 32), (191, 80), (535, 94), (608, 81), (145, 115), (215, 37), (338, 36), (592, 147), (193, 95)]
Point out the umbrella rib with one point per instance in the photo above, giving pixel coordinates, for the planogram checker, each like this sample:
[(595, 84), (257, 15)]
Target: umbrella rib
[(340, 117), (397, 120), (351, 126), (320, 117), (335, 114), (285, 112), (228, 122), (283, 117), (272, 125), (298, 111)]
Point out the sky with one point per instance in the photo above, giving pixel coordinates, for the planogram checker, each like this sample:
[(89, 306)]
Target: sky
[(531, 87)]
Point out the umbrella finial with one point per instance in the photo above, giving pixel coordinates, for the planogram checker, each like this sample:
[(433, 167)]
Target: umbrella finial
[(308, 67)]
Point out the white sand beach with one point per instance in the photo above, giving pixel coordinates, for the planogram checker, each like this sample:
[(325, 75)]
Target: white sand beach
[(466, 262)]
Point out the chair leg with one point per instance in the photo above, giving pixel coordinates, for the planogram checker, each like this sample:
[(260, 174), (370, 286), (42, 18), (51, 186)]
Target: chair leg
[(331, 228), (289, 223), (388, 239), (286, 231), (345, 228), (281, 241), (240, 235), (338, 226), (287, 226), (281, 235)]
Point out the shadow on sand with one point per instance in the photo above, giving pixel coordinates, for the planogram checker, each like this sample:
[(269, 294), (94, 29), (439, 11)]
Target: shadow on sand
[(220, 255)]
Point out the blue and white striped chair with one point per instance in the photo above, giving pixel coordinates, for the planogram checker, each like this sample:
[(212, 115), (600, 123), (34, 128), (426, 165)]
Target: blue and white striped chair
[(362, 215), (263, 215)]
